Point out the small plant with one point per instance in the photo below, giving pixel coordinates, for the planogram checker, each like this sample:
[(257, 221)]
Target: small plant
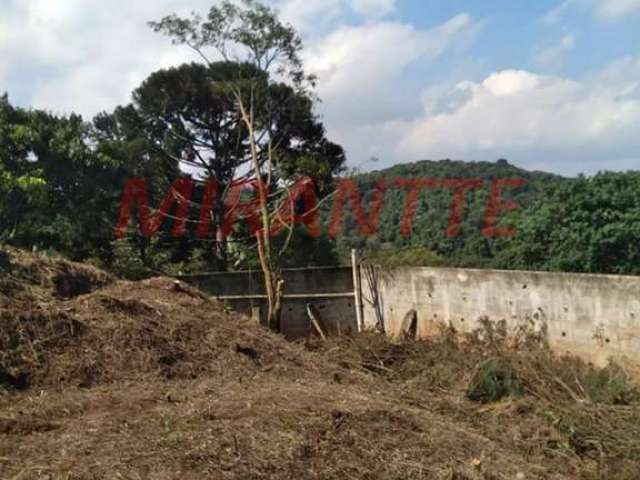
[(494, 379), (573, 440), (490, 335), (610, 386), (167, 425)]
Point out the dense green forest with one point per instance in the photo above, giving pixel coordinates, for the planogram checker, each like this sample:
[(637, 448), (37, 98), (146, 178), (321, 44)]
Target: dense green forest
[(583, 224)]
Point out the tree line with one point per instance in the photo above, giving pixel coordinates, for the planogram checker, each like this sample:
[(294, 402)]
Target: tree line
[(588, 224), (245, 113)]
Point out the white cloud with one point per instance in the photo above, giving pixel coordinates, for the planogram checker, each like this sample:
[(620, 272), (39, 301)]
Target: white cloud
[(353, 63), (309, 14), (516, 113), (616, 8), (602, 9), (361, 70), (554, 15), (89, 55), (553, 56), (373, 8)]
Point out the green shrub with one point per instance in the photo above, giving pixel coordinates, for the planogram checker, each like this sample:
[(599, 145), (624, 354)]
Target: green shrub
[(610, 386), (494, 379)]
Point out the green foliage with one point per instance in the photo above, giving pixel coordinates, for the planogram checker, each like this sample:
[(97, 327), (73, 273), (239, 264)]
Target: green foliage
[(61, 179), (17, 194), (56, 193), (250, 27), (610, 386), (469, 248), (409, 256), (191, 116), (587, 224), (494, 379), (584, 224)]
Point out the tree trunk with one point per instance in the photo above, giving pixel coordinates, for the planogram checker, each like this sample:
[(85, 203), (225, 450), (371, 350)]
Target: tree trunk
[(220, 245), (273, 282), (221, 250)]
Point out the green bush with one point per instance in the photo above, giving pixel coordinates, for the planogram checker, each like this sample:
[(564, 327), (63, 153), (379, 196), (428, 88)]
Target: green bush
[(610, 386), (494, 379)]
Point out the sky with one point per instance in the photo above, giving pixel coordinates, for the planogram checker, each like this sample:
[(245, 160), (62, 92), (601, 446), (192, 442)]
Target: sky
[(548, 84)]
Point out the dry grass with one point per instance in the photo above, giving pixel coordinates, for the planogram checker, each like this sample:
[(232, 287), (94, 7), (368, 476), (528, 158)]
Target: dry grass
[(154, 380)]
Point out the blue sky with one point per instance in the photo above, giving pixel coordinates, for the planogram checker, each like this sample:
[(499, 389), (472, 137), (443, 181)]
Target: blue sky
[(550, 84), (515, 30)]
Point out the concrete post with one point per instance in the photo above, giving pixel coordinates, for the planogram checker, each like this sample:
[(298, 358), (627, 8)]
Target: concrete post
[(357, 289)]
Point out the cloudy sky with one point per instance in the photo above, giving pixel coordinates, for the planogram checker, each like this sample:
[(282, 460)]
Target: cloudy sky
[(550, 84)]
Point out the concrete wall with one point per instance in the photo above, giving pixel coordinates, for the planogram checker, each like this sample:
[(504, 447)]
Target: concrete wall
[(329, 289), (297, 281), (595, 316)]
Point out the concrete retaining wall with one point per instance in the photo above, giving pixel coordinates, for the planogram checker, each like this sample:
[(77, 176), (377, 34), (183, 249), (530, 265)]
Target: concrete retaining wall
[(329, 289), (595, 316)]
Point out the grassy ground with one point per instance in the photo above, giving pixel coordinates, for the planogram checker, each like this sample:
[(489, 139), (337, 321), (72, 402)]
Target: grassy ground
[(109, 379)]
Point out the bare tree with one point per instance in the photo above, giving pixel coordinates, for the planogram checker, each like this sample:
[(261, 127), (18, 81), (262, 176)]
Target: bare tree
[(252, 36)]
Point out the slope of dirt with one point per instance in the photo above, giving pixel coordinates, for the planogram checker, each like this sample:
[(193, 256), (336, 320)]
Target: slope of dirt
[(155, 329), (153, 379)]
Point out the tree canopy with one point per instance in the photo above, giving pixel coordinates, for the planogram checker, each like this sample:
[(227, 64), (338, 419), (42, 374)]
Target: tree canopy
[(246, 111), (584, 224)]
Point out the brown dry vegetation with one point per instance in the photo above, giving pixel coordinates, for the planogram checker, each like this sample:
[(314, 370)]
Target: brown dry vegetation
[(110, 379)]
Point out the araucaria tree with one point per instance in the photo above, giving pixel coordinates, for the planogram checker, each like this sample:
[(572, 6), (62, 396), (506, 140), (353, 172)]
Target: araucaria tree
[(250, 116)]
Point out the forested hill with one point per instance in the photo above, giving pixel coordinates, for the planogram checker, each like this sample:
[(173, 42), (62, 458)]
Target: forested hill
[(459, 169), (534, 185), (584, 224)]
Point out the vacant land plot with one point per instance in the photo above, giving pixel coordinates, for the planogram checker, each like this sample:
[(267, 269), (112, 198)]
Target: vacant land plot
[(109, 379)]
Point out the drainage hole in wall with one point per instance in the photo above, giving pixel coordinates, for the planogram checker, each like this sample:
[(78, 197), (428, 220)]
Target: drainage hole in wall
[(607, 340), (564, 334), (524, 287)]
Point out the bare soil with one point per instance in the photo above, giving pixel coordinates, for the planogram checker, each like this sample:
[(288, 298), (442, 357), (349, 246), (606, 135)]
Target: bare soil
[(101, 378)]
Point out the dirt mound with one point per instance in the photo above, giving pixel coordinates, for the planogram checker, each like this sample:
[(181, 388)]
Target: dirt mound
[(53, 336), (29, 277)]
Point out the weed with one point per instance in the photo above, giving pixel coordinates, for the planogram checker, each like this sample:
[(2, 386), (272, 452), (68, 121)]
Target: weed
[(610, 386), (494, 379)]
